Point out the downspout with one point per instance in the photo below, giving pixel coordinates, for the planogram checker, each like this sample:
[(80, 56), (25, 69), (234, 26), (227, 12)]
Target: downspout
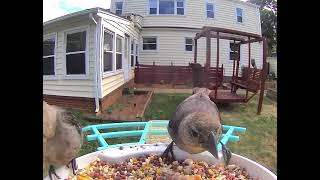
[(97, 71)]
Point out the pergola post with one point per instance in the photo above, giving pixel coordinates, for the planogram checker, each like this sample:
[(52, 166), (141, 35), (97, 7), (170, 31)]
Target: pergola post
[(195, 50), (249, 52), (218, 50), (208, 55), (263, 78)]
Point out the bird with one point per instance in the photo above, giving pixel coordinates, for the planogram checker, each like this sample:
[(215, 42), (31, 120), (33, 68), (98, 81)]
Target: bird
[(62, 138), (196, 127)]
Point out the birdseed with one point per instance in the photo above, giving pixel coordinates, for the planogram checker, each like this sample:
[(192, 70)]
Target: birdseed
[(153, 167)]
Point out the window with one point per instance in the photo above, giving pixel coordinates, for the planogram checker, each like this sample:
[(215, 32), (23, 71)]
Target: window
[(175, 7), (49, 55), (210, 10), (137, 49), (189, 42), (119, 6), (234, 51), (239, 15), (108, 51), (153, 5), (119, 52), (132, 53), (76, 53), (149, 43)]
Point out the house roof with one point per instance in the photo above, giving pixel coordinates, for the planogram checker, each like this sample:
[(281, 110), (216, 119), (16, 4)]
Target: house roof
[(80, 13)]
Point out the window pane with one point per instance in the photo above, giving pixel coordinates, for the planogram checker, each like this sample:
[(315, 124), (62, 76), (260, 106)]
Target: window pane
[(137, 47), (233, 56), (119, 12), (48, 47), (136, 59), (239, 12), (209, 7), (149, 46), (153, 10), (108, 42), (119, 44), (48, 66), (132, 60), (107, 61), (210, 14), (188, 47), (119, 5), (76, 42), (166, 7), (76, 63), (239, 18), (153, 3), (149, 40), (233, 47), (132, 45), (180, 11), (179, 3), (188, 41), (119, 61)]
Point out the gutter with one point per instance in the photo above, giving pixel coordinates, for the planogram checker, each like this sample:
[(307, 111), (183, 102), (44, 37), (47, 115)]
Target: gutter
[(97, 71)]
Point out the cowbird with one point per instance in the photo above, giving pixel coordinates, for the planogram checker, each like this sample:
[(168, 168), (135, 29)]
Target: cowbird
[(196, 127), (62, 138)]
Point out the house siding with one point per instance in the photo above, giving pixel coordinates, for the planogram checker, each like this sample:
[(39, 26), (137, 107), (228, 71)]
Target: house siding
[(171, 48), (71, 87), (195, 15)]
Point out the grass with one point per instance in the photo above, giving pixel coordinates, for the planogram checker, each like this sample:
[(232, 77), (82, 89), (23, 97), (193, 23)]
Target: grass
[(258, 143)]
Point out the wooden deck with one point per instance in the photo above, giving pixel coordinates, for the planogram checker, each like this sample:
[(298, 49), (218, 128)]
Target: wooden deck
[(226, 96)]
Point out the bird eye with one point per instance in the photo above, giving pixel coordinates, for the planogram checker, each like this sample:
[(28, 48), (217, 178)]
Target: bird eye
[(194, 133)]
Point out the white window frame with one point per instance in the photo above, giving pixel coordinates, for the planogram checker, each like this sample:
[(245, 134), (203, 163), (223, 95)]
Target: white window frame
[(241, 14), (122, 53), (133, 52), (185, 44), (174, 6), (150, 50), (113, 52), (115, 7), (49, 36), (71, 31), (232, 42), (214, 9)]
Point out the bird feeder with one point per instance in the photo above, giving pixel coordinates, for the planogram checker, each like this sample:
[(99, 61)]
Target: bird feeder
[(118, 153)]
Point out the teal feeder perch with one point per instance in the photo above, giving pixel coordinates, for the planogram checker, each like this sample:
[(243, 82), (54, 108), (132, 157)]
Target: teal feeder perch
[(101, 137)]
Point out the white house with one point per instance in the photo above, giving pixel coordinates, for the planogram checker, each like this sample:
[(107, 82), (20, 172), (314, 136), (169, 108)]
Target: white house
[(88, 56)]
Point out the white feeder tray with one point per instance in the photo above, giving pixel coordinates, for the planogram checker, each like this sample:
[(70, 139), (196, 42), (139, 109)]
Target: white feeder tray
[(117, 155)]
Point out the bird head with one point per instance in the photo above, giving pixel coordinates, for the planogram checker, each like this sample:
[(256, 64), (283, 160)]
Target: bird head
[(201, 132)]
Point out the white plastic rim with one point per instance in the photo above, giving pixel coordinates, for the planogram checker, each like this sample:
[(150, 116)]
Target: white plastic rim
[(117, 155)]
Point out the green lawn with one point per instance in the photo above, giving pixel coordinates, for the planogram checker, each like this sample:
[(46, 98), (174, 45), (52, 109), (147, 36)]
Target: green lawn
[(258, 143)]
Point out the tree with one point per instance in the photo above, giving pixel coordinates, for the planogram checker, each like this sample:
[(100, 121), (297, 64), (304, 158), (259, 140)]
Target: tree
[(268, 16)]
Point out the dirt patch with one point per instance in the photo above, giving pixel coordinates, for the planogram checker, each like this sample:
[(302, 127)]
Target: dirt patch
[(129, 107)]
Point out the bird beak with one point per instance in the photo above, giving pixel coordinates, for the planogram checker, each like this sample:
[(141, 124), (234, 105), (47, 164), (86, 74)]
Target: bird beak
[(212, 146)]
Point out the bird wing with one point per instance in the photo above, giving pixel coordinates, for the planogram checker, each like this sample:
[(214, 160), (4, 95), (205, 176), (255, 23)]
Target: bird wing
[(49, 121)]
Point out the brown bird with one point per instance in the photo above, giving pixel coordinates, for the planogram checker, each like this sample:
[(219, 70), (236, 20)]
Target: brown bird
[(196, 126), (62, 138)]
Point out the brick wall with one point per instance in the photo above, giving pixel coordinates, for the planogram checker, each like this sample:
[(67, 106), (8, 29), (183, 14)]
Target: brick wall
[(86, 104), (76, 103)]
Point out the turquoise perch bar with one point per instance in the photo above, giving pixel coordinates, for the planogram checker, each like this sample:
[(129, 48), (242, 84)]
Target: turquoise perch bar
[(100, 137)]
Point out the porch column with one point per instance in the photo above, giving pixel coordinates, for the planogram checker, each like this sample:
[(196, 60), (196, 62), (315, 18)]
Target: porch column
[(218, 50)]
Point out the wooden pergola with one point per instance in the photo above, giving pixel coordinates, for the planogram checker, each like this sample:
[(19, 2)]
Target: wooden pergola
[(255, 80)]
